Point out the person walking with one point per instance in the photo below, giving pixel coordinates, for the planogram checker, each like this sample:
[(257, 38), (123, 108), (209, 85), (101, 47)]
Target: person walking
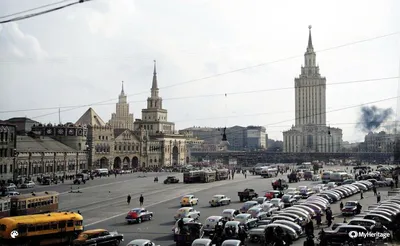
[(378, 197), (374, 190), (128, 199), (141, 200), (341, 206), (361, 194)]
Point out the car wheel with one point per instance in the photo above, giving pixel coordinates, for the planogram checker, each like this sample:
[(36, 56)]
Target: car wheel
[(139, 220)]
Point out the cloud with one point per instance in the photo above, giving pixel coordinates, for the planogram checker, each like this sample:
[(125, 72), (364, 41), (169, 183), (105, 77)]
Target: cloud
[(14, 43), (110, 22)]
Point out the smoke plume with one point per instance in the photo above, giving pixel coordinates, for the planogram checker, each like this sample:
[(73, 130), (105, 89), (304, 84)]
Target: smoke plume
[(373, 117)]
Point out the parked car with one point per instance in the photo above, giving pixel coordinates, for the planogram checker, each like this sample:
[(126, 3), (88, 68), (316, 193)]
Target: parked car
[(211, 222), (171, 180), (277, 202), (141, 242), (229, 214), (29, 184)]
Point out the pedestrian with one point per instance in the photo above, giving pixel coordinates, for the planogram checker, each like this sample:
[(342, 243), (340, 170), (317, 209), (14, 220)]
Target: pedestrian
[(391, 184), (361, 194), (378, 197), (341, 206), (128, 199), (374, 190), (141, 200), (397, 182), (344, 221)]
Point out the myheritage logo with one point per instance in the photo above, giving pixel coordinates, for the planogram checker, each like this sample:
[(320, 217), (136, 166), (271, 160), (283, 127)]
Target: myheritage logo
[(356, 234)]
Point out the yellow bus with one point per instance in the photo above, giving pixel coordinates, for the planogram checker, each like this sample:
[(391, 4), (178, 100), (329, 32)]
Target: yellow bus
[(59, 228)]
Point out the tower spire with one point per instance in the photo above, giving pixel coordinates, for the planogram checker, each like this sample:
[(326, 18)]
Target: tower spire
[(154, 85), (310, 47), (122, 90)]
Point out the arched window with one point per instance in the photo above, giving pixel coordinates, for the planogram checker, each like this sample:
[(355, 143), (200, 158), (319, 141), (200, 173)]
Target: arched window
[(151, 160)]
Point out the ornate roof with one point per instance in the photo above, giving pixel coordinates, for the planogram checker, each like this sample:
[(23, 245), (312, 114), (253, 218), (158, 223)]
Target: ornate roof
[(42, 144), (90, 117)]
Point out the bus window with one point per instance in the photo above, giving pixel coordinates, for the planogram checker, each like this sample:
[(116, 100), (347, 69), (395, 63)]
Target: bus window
[(39, 227), (3, 227), (22, 229), (78, 223), (54, 225), (31, 228), (70, 223), (61, 224), (1, 207), (46, 227)]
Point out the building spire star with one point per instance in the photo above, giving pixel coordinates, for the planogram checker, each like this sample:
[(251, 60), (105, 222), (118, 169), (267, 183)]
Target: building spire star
[(154, 84), (310, 47), (122, 90)]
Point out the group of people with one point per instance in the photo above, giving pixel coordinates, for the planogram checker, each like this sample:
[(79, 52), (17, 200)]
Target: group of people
[(141, 200)]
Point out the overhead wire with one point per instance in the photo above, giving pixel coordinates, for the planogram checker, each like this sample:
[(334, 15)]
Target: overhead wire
[(43, 12), (225, 94), (36, 8)]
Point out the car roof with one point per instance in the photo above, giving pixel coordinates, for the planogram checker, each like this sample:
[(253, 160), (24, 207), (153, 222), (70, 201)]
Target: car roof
[(229, 210), (185, 209), (216, 217), (187, 195), (202, 240), (139, 241)]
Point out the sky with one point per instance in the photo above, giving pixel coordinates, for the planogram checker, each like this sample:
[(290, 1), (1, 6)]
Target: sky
[(219, 62)]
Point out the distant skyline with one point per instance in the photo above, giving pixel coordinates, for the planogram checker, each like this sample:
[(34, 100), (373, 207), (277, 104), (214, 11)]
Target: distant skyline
[(80, 56)]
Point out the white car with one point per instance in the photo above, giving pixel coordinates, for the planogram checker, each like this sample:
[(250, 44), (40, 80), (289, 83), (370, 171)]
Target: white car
[(277, 202), (211, 222), (291, 189), (202, 242), (187, 212), (219, 200), (331, 185), (141, 242), (229, 214), (231, 242), (29, 184), (268, 208)]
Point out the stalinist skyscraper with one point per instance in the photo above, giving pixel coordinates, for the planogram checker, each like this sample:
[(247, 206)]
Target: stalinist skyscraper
[(122, 119), (310, 132)]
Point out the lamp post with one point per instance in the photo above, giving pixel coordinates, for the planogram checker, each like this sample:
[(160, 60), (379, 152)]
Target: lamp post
[(14, 169)]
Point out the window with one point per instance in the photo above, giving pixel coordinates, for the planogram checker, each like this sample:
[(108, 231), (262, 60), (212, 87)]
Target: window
[(78, 223), (54, 225), (61, 224), (3, 227), (31, 228), (70, 223), (39, 227), (22, 229)]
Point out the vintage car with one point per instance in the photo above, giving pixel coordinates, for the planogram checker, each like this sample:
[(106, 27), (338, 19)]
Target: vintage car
[(98, 237), (185, 220), (350, 208), (277, 202), (229, 214), (138, 215), (248, 205), (211, 222), (258, 234), (231, 242), (272, 194), (288, 200), (268, 207), (171, 180), (219, 200), (260, 199), (187, 212), (141, 242), (258, 213), (28, 184), (189, 200), (202, 242), (247, 220)]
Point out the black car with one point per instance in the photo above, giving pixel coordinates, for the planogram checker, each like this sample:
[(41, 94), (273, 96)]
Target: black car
[(289, 200), (171, 180), (350, 208), (98, 237)]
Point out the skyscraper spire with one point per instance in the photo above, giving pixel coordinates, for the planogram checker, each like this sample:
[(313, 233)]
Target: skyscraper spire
[(122, 90), (154, 85), (310, 47)]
